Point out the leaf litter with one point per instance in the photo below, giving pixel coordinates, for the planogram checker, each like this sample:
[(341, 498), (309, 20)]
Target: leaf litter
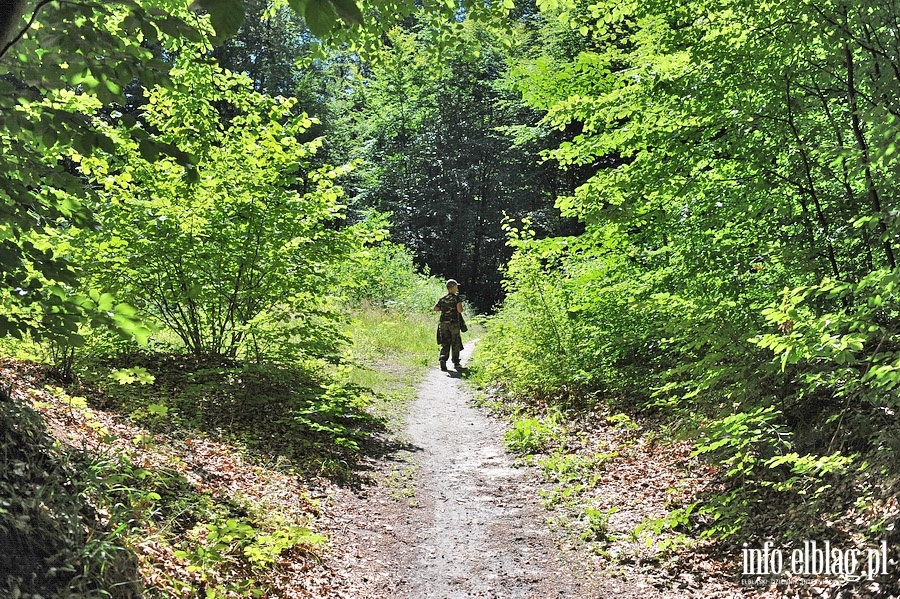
[(449, 513)]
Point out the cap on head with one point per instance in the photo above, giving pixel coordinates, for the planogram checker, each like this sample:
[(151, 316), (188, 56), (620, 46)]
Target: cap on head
[(452, 283)]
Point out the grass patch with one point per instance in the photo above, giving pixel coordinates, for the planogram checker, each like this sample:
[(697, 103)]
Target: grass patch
[(402, 484), (381, 337), (389, 353)]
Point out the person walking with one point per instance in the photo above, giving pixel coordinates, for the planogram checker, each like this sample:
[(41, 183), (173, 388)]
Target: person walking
[(451, 309)]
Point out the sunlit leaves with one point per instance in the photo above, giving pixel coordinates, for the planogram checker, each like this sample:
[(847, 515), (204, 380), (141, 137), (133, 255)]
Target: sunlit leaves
[(135, 374), (322, 16), (218, 215), (735, 149), (72, 61)]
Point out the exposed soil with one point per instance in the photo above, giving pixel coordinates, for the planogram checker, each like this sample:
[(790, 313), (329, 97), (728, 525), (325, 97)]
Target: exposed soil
[(454, 516)]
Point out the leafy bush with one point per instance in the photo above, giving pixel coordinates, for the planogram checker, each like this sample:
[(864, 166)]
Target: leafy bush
[(573, 326), (288, 335), (839, 343), (217, 264), (753, 449), (575, 329), (385, 275), (564, 467), (596, 523), (209, 545)]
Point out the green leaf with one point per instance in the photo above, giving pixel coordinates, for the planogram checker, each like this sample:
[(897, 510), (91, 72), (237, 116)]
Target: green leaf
[(191, 174), (298, 6), (348, 11), (123, 376), (149, 150), (158, 409), (170, 26), (226, 16), (135, 374), (106, 144), (320, 17)]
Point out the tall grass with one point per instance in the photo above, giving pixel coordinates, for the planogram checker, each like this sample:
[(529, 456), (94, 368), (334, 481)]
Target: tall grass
[(389, 353), (388, 337)]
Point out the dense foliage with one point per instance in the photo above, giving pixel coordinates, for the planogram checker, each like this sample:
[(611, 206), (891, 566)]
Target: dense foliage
[(722, 251), (739, 259), (443, 152), (49, 72)]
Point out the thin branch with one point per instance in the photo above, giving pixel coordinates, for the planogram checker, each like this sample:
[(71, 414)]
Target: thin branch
[(21, 34)]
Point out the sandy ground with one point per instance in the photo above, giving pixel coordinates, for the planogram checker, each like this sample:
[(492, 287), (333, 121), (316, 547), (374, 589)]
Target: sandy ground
[(453, 517)]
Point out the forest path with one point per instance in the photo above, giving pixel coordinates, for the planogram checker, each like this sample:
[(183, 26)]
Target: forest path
[(453, 517)]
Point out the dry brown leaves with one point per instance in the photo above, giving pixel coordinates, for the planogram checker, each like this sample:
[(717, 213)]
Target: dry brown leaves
[(214, 469)]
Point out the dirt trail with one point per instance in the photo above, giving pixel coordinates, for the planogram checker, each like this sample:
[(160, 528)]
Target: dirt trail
[(485, 536), (456, 518)]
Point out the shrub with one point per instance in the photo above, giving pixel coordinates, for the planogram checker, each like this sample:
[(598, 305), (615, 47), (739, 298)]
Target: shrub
[(384, 275)]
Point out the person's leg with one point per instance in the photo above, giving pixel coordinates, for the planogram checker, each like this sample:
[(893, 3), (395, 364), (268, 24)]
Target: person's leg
[(457, 346), (446, 342)]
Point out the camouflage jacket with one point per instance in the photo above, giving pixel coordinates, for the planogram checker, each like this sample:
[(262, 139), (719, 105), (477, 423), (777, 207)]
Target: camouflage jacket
[(447, 305)]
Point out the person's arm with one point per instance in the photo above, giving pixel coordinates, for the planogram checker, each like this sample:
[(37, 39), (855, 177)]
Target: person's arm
[(437, 307), (459, 307)]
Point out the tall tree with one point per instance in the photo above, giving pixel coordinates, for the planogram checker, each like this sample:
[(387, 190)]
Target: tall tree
[(269, 47), (448, 155)]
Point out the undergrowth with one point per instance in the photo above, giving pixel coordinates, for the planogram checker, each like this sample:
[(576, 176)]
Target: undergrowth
[(788, 399), (315, 421), (184, 474), (728, 480), (55, 541), (120, 511)]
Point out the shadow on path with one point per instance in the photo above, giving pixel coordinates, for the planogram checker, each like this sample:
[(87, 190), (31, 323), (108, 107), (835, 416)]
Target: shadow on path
[(455, 517)]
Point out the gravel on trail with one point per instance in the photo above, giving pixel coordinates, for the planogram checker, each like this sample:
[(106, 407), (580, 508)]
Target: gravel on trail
[(453, 516)]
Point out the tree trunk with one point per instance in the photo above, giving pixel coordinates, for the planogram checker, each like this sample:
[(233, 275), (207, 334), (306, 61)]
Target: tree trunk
[(810, 187), (863, 146)]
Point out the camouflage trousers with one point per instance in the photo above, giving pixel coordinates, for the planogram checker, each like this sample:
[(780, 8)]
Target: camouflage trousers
[(450, 340)]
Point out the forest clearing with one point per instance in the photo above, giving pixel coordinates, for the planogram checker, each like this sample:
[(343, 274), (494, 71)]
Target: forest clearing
[(231, 228)]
